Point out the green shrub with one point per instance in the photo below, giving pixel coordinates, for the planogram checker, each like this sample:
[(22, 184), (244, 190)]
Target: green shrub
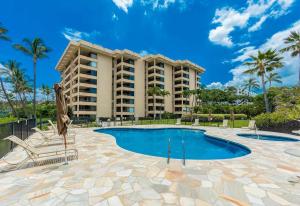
[(275, 119), (215, 117), (168, 115), (236, 116), (7, 120)]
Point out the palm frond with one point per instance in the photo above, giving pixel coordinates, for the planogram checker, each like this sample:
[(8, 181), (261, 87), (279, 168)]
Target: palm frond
[(23, 49)]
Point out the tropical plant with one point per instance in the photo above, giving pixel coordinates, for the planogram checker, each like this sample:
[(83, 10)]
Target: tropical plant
[(250, 84), (186, 94), (36, 49), (18, 81), (273, 77), (153, 91), (3, 33), (163, 93), (262, 63), (4, 72), (46, 91), (293, 46)]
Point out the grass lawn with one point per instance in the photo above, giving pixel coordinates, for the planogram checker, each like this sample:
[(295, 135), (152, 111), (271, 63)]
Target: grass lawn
[(7, 120)]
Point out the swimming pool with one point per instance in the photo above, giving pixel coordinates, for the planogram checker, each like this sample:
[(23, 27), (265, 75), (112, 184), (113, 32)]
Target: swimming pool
[(195, 143), (268, 137)]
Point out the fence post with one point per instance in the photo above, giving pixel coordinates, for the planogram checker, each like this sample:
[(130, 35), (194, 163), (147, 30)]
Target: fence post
[(12, 133), (40, 122), (27, 128), (21, 125)]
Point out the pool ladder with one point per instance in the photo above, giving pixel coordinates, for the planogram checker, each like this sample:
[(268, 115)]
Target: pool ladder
[(255, 130), (169, 150), (183, 151)]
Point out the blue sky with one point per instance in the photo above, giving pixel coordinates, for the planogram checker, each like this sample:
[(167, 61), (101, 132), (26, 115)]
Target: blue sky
[(218, 35)]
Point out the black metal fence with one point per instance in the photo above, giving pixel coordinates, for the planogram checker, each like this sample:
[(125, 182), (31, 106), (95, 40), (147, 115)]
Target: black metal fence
[(21, 129)]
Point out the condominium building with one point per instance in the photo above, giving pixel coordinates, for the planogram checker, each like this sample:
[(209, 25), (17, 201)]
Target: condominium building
[(104, 83)]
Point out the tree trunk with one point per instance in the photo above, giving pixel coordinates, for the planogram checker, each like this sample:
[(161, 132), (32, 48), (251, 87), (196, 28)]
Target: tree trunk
[(34, 87), (249, 89), (153, 107), (160, 110), (265, 93), (186, 106), (299, 75), (23, 103), (8, 100)]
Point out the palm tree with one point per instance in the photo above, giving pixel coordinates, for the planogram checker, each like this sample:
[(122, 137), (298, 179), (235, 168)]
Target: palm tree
[(250, 84), (46, 91), (273, 77), (293, 42), (163, 93), (153, 91), (4, 72), (186, 94), (18, 80), (36, 49), (260, 64), (3, 32)]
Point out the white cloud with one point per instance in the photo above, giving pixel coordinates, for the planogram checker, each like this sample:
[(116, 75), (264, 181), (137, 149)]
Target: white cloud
[(258, 24), (143, 53), (228, 19), (243, 43), (215, 85), (123, 4), (161, 4), (75, 35), (154, 4), (115, 17), (289, 72)]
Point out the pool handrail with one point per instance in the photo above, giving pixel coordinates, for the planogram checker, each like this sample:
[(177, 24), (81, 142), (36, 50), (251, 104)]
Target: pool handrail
[(169, 150)]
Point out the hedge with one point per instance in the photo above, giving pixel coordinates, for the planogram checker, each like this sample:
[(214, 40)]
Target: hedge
[(277, 122), (215, 117)]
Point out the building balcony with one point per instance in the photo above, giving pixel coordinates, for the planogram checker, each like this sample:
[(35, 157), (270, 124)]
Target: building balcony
[(121, 88), (154, 74), (83, 66), (181, 72), (87, 58), (124, 80), (87, 85), (85, 112), (156, 67), (182, 85), (125, 64), (85, 103)]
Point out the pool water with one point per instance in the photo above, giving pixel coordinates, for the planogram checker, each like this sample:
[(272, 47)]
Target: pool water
[(195, 143), (268, 137)]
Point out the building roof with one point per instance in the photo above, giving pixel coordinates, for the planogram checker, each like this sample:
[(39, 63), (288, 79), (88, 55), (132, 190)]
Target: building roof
[(74, 45)]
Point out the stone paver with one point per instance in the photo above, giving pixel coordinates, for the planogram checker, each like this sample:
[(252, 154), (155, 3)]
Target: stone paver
[(108, 175)]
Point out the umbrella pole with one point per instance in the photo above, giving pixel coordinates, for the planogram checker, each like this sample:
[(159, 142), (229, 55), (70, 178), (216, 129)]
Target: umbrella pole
[(66, 159)]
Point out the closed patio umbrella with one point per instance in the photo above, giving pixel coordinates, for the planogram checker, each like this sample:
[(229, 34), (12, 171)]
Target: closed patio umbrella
[(61, 115)]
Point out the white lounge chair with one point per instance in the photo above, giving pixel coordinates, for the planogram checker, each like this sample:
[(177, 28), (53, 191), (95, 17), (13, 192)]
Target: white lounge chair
[(54, 139), (224, 124), (178, 121), (296, 132), (196, 123), (37, 155), (251, 125), (54, 128)]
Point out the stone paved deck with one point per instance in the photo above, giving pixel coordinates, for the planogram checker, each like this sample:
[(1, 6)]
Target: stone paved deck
[(107, 175)]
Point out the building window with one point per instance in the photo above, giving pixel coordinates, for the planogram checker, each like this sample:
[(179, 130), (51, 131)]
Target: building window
[(94, 56), (93, 64)]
